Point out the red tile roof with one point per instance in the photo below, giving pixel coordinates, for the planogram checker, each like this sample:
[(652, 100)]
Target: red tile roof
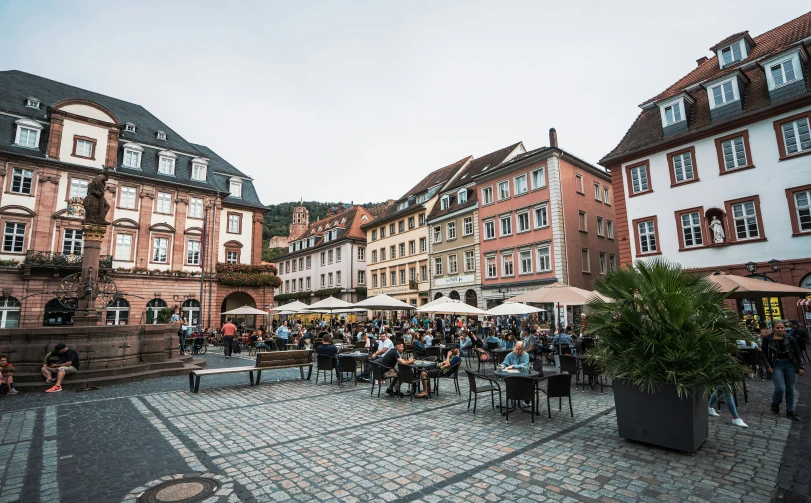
[(646, 131), (351, 229)]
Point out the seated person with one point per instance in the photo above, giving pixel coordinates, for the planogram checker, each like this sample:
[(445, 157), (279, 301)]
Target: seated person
[(7, 375), (517, 359), (383, 346), (444, 369), (508, 342), (367, 343), (418, 345), (328, 348), (259, 342), (428, 340), (389, 360), (532, 344), (562, 342), (408, 336), (492, 339), (68, 363), (465, 343)]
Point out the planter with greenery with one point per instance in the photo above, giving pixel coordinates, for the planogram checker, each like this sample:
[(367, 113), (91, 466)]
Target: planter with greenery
[(667, 342), (292, 296), (328, 292), (247, 275)]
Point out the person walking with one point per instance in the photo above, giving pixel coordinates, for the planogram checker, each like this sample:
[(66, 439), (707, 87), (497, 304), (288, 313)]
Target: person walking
[(229, 330), (728, 399), (785, 362)]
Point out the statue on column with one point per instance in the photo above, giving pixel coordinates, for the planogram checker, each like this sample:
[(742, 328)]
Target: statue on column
[(95, 204)]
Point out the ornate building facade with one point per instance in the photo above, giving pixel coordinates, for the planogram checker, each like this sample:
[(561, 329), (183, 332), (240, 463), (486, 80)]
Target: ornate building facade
[(177, 209)]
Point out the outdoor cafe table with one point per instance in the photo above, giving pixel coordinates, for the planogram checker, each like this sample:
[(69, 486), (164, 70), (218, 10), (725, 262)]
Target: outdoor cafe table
[(501, 374), (359, 357), (494, 355), (420, 365)]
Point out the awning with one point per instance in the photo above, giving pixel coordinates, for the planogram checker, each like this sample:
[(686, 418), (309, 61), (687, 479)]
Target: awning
[(804, 303)]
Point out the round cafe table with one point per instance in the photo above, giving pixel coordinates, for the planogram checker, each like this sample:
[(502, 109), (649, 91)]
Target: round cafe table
[(521, 373)]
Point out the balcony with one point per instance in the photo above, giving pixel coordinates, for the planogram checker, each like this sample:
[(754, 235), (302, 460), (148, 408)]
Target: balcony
[(35, 258)]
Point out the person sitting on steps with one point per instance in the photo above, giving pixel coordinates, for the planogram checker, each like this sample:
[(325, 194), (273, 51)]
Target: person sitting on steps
[(68, 364)]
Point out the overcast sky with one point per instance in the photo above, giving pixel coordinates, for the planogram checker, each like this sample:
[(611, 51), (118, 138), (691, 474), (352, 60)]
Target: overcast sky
[(359, 100)]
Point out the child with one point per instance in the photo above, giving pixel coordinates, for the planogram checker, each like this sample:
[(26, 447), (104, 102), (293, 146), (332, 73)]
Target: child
[(7, 375)]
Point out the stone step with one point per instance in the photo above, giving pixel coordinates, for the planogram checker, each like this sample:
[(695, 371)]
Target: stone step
[(80, 381), (179, 363)]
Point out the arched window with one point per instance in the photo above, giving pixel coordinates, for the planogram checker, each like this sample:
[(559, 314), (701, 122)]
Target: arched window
[(454, 295), (9, 312), (118, 312), (57, 314), (471, 299), (438, 295), (153, 307), (191, 311)]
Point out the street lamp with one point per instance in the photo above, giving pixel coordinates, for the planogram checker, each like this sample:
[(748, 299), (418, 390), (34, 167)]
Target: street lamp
[(504, 292), (751, 267), (774, 264)]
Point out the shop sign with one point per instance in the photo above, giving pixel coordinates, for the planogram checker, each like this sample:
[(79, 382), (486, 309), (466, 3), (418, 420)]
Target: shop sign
[(455, 280)]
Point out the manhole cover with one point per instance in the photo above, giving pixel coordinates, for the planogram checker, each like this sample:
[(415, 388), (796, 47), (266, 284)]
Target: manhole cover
[(188, 490)]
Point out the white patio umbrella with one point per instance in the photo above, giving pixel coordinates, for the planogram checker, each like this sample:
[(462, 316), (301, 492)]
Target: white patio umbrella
[(328, 305), (295, 306), (383, 302), (510, 308), (558, 293), (245, 310), (436, 302), (451, 306)]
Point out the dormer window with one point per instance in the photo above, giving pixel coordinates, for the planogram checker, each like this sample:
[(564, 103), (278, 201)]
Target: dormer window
[(161, 135), (198, 169), (675, 113), (445, 202), (33, 103), (132, 155), (166, 163), (723, 93), (27, 133), (731, 54), (130, 127), (783, 73), (235, 187), (461, 196)]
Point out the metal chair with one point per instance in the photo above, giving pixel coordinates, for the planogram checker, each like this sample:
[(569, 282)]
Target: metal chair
[(569, 364), (558, 386), (521, 388), (594, 373), (324, 363), (499, 359), (347, 365), (377, 375), (405, 375), (492, 345), (479, 355), (475, 389), (433, 351), (453, 374)]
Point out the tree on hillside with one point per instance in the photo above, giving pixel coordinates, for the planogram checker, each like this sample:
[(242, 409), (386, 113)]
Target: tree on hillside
[(278, 217)]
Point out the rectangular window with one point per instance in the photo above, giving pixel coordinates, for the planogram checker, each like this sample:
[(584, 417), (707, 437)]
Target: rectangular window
[(682, 166), (160, 251), (374, 280), (438, 266), (382, 279), (83, 148), (722, 93), (424, 272), (585, 260), (401, 225), (731, 54), (232, 257), (544, 259), (412, 247), (746, 221), (438, 234), (301, 263), (392, 229), (402, 250), (783, 73), (28, 137), (423, 245), (487, 195), (127, 198), (506, 225), (470, 261), (166, 166), (13, 237), (410, 223), (393, 250), (374, 235), (21, 180), (361, 254), (451, 230), (382, 255), (525, 261), (453, 267), (338, 278), (612, 261), (673, 113), (538, 179), (323, 281), (310, 282), (578, 184), (72, 244), (422, 219), (606, 196), (609, 229), (412, 273), (802, 206), (492, 268), (600, 226), (393, 275), (444, 203), (309, 262), (582, 221), (467, 226), (234, 224), (123, 247), (402, 277), (78, 187), (132, 158), (541, 217), (639, 179), (503, 190), (597, 191), (646, 232), (164, 203), (733, 153), (374, 256), (507, 266), (337, 254), (198, 172), (489, 229), (361, 277), (329, 256), (301, 284), (323, 258), (602, 262), (796, 136), (382, 232), (522, 221), (461, 196), (195, 207), (520, 185), (691, 229), (193, 253)]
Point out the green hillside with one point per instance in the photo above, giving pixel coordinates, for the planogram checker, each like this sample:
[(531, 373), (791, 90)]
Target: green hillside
[(278, 217)]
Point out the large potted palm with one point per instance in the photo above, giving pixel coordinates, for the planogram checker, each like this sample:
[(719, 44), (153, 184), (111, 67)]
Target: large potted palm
[(667, 341)]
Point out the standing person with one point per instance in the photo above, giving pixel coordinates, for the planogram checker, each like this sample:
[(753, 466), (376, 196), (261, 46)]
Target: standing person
[(68, 364), (181, 333), (229, 330), (728, 399), (282, 334), (785, 362)]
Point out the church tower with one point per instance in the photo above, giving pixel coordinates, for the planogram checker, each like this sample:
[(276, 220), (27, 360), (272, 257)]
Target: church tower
[(301, 219)]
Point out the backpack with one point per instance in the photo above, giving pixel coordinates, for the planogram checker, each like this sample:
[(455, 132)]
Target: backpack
[(484, 356), (235, 346)]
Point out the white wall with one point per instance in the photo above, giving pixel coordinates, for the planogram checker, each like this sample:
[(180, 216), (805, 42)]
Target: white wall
[(244, 237), (72, 128), (768, 179)]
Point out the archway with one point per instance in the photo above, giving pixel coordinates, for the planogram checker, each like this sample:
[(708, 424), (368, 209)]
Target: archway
[(191, 311), (235, 300), (57, 314), (153, 307), (454, 295), (471, 299), (118, 312), (438, 295), (9, 312)]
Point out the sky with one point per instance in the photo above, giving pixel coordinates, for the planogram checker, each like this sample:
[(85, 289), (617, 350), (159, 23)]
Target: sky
[(359, 100)]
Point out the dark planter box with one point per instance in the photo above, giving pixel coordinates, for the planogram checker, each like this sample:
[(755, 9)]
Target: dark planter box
[(661, 419)]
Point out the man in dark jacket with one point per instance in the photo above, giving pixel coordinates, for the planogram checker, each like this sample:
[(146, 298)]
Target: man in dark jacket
[(330, 349)]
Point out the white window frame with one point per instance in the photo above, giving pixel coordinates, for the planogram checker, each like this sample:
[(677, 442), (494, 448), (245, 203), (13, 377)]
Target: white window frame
[(22, 174), (544, 257), (726, 99), (680, 162), (649, 235), (467, 226), (78, 187), (470, 261), (694, 227), (681, 110), (803, 210), (743, 53), (437, 266), (585, 265), (132, 157), (196, 207), (193, 252), (451, 229), (597, 193), (734, 151), (781, 59), (423, 245), (437, 234), (542, 209), (234, 223), (606, 196), (231, 257), (501, 193), (84, 148), (73, 239), (235, 187), (412, 247), (744, 217), (32, 128), (160, 250), (123, 242), (12, 229), (519, 185), (609, 229), (445, 202), (525, 259), (164, 204), (198, 172), (639, 177), (361, 254), (492, 225), (504, 262), (461, 196), (487, 195), (600, 226), (535, 178), (518, 226), (501, 220), (795, 129), (453, 264), (491, 267), (166, 164), (361, 277)]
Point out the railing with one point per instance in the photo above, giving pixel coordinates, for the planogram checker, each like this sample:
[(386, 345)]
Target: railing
[(55, 259)]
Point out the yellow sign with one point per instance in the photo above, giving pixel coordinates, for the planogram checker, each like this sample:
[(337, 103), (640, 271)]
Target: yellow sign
[(771, 307)]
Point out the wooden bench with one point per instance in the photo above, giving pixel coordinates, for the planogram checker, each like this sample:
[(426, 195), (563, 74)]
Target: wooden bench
[(264, 361)]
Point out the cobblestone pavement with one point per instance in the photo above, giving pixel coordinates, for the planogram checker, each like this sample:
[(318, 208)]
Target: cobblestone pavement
[(294, 440)]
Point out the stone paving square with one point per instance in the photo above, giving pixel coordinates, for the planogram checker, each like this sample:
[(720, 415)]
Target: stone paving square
[(297, 441)]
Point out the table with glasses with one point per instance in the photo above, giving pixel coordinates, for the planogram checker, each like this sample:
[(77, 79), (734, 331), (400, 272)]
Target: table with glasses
[(418, 366)]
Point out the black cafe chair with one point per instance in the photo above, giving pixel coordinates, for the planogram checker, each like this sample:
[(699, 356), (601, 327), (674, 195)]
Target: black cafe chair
[(492, 345), (433, 351), (521, 388), (475, 389), (377, 375), (452, 374), (326, 364), (347, 365), (405, 375), (569, 364), (558, 386), (593, 373)]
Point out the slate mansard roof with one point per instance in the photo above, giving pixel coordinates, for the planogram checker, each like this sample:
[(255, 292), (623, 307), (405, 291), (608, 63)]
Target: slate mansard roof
[(16, 87), (646, 130)]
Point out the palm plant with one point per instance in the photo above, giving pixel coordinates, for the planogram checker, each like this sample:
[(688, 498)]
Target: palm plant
[(665, 325)]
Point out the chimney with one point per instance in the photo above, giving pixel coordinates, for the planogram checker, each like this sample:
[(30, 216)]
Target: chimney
[(553, 138), (701, 60)]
